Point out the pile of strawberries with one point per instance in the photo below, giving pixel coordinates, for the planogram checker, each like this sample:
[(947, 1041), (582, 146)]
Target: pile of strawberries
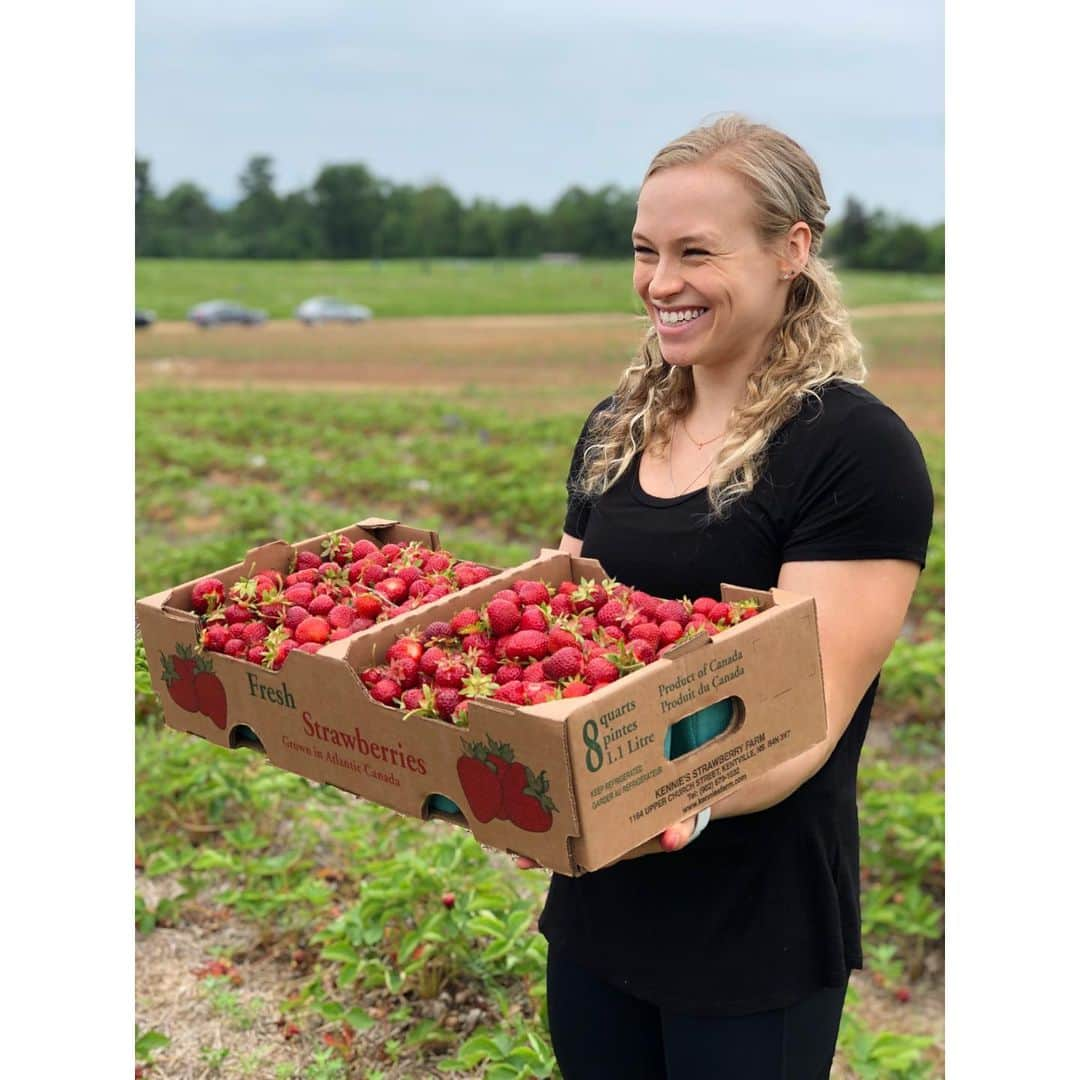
[(532, 643), (349, 588)]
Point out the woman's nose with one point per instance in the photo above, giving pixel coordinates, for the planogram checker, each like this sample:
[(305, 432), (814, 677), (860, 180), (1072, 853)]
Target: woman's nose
[(666, 281)]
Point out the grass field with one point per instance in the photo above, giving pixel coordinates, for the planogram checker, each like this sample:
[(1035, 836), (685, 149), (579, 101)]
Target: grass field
[(287, 931), (410, 287)]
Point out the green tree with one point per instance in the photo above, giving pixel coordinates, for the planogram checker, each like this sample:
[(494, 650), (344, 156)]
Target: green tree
[(147, 211), (846, 238), (525, 232), (482, 227), (189, 224), (255, 222), (348, 208)]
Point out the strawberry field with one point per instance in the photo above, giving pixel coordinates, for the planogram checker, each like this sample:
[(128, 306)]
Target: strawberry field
[(285, 929)]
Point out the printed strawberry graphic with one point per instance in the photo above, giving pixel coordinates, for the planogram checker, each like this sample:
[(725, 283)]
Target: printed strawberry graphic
[(480, 780), (178, 671), (209, 693), (525, 797)]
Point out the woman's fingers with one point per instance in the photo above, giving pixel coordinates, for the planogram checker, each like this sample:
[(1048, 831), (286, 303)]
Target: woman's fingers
[(678, 836)]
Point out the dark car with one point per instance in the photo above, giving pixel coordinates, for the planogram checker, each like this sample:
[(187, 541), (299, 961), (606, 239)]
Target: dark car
[(322, 309), (144, 317), (223, 313)]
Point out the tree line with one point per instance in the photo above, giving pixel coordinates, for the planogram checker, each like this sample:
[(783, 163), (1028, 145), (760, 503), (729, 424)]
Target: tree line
[(349, 213)]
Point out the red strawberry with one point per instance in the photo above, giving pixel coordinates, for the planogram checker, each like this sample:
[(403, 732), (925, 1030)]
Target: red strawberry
[(451, 673), (437, 631), (367, 605), (430, 660), (563, 664), (512, 691), (255, 632), (702, 605), (294, 616), (748, 613), (720, 613), (412, 698), (576, 688), (643, 601), (538, 692), (178, 671), (307, 560), (447, 699), (646, 631), (360, 624), (507, 673), (385, 691), (321, 605), (670, 631), (335, 635), (467, 621), (372, 574), (502, 617), (587, 625), (611, 614), (561, 604), (510, 597), (526, 644), (301, 594), (448, 900), (525, 797), (214, 638), (362, 549), (672, 610), (209, 693), (643, 651), (207, 594), (533, 672), (436, 562), (235, 647), (480, 782), (561, 638), (237, 613), (314, 628), (533, 618), (406, 671), (256, 654), (370, 676), (469, 574), (479, 642), (341, 615), (236, 631), (314, 646), (532, 592), (393, 588), (599, 670)]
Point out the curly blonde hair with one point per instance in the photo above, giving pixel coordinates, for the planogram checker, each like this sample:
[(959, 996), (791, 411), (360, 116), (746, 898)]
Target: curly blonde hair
[(812, 344)]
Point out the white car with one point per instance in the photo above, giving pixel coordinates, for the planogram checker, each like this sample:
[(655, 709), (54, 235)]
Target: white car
[(323, 309)]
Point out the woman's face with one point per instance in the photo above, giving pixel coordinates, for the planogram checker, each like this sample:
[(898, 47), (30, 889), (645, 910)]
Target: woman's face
[(714, 295)]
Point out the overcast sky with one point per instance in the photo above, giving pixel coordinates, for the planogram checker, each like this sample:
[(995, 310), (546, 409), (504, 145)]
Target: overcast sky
[(517, 101)]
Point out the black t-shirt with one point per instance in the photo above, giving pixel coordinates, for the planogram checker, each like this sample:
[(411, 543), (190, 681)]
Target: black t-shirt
[(762, 909)]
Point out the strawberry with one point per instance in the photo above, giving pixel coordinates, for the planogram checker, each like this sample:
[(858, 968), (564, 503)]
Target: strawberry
[(507, 673), (600, 669), (386, 691), (281, 654), (480, 642), (485, 663), (532, 592), (466, 621), (406, 671), (370, 676), (430, 660), (410, 575), (412, 698), (236, 613), (335, 635), (301, 594), (321, 605), (720, 613), (214, 637), (748, 613), (587, 625), (644, 602), (538, 692), (647, 631), (209, 592), (451, 673), (560, 638), (255, 632), (294, 616), (178, 671), (209, 692), (533, 618), (673, 611), (372, 574), (367, 605), (235, 647), (512, 692), (447, 699), (437, 631), (314, 628), (526, 799), (563, 664), (256, 654), (477, 684), (236, 631), (314, 646), (362, 549), (470, 573), (360, 624), (533, 672), (561, 604), (448, 900), (526, 644), (502, 617), (341, 615), (307, 560), (436, 562), (670, 631), (419, 588), (393, 588), (405, 645), (611, 614), (643, 651), (510, 597), (577, 687)]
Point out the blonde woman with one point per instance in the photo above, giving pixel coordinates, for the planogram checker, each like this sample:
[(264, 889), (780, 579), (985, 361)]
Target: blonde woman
[(739, 446)]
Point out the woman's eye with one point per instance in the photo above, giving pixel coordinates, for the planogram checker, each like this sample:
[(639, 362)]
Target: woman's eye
[(695, 251), (641, 250)]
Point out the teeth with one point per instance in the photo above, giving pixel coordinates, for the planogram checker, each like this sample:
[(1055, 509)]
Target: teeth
[(670, 318)]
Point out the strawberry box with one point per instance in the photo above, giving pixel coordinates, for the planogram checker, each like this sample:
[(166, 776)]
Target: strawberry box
[(574, 783)]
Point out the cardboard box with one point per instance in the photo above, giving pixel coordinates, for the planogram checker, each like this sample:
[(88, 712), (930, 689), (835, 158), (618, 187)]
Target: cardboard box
[(598, 759)]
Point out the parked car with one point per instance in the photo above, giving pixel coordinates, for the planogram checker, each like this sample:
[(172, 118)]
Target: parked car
[(222, 312), (144, 317), (322, 309)]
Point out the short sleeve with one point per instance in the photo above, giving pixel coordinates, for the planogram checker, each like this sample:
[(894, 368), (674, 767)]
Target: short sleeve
[(865, 495), (577, 502)]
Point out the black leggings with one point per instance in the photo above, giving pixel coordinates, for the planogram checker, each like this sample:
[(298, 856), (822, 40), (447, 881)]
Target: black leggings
[(598, 1032)]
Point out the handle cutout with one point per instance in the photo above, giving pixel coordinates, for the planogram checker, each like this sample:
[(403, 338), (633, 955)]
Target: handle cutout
[(692, 732), (242, 736), (442, 806)]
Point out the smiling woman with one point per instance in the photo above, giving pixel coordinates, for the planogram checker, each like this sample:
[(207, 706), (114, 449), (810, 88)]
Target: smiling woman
[(739, 447)]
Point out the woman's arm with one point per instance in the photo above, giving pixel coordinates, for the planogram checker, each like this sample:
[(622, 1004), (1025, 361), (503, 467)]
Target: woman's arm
[(861, 606), (571, 545)]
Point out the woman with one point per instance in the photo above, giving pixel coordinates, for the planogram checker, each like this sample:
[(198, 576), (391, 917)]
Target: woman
[(738, 447)]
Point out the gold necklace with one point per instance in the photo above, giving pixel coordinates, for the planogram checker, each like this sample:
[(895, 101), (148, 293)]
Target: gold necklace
[(699, 445), (671, 471)]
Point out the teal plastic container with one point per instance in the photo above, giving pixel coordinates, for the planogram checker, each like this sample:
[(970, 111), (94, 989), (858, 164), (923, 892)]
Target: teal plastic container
[(444, 805), (696, 729)]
